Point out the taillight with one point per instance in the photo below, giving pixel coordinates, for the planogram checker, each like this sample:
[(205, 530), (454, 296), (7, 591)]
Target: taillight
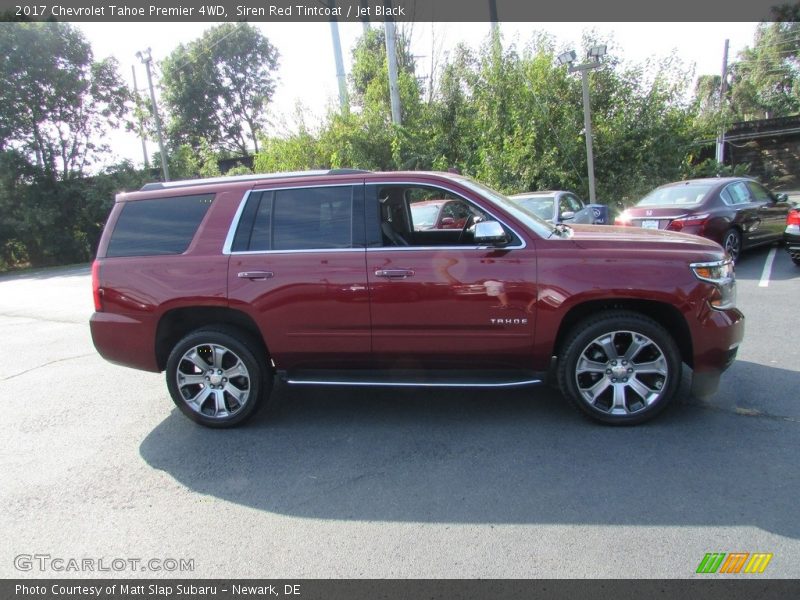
[(97, 293), (793, 218), (689, 221), (623, 219)]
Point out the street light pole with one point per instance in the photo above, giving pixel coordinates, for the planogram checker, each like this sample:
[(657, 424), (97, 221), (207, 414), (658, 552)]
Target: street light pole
[(141, 119), (147, 58), (595, 53), (587, 123)]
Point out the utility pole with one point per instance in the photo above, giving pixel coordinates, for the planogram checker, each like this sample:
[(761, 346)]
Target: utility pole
[(141, 120), (337, 55), (365, 15), (723, 88), (391, 56), (493, 15), (146, 57)]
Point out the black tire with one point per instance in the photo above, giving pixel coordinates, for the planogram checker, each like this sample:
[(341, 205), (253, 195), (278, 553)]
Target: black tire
[(732, 243), (218, 376), (637, 386)]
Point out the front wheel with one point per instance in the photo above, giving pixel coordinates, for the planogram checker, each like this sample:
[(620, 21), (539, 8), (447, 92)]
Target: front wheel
[(217, 377), (620, 368)]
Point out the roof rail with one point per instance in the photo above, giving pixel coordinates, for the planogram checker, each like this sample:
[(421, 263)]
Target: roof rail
[(168, 185)]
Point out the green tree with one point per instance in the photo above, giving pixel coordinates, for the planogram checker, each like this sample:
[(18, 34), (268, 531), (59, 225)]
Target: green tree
[(764, 78), (218, 87), (369, 77), (56, 101)]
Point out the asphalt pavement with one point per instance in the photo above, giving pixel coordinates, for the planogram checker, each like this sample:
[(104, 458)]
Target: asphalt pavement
[(97, 464)]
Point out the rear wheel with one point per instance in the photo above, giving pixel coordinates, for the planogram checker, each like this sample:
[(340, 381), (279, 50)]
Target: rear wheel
[(620, 368), (732, 242), (218, 376)]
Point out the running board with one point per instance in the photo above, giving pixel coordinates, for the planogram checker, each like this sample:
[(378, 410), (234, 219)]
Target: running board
[(436, 379)]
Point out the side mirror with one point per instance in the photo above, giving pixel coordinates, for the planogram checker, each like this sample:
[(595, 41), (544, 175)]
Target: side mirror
[(489, 232), (567, 215)]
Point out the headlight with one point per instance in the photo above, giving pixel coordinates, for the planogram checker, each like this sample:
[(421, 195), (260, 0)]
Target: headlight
[(721, 274)]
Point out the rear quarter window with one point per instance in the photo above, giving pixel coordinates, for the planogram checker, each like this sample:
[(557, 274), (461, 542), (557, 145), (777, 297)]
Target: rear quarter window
[(158, 226)]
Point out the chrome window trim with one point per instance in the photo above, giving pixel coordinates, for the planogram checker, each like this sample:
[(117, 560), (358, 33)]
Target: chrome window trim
[(226, 247), (430, 248), (522, 244), (297, 251)]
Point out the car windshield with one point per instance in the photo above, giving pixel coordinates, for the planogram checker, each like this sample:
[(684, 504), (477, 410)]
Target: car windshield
[(537, 225), (541, 206), (424, 215), (677, 195)]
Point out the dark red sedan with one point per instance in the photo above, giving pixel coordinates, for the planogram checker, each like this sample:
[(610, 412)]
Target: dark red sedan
[(736, 212)]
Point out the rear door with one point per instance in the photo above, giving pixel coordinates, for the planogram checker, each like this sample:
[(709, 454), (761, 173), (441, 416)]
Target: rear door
[(748, 215), (297, 267)]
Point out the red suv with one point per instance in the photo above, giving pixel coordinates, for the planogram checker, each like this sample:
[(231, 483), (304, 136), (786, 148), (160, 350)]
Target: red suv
[(324, 278)]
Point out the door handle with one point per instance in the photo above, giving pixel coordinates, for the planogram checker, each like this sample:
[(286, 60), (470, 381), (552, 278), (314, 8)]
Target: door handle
[(394, 273), (256, 275)]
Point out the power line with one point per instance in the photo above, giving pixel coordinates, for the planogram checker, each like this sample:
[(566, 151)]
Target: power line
[(207, 50)]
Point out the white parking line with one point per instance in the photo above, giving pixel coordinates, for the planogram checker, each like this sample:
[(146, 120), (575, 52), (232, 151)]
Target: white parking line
[(767, 268)]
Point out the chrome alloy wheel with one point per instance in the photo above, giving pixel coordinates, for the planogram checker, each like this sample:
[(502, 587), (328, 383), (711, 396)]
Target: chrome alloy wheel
[(621, 373), (213, 381)]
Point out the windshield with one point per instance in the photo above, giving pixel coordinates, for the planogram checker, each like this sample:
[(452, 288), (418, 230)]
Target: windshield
[(424, 216), (537, 225), (677, 195), (541, 206)]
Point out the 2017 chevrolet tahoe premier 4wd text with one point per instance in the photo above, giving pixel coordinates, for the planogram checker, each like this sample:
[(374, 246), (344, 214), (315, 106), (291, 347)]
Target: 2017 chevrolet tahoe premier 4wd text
[(322, 278)]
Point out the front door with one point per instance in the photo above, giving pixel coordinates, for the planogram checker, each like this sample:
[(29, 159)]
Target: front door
[(439, 299)]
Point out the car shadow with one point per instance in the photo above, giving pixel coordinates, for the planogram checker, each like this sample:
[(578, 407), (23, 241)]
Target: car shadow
[(521, 456)]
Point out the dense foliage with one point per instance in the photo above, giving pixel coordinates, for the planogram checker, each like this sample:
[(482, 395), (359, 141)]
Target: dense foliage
[(511, 118), (56, 101), (507, 115), (56, 105)]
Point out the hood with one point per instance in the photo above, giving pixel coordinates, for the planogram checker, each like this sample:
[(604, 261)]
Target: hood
[(634, 238)]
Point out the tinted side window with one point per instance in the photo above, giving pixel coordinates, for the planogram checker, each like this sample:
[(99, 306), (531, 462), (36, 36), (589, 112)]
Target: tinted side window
[(158, 226), (759, 193), (313, 218), (738, 193), (296, 219)]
